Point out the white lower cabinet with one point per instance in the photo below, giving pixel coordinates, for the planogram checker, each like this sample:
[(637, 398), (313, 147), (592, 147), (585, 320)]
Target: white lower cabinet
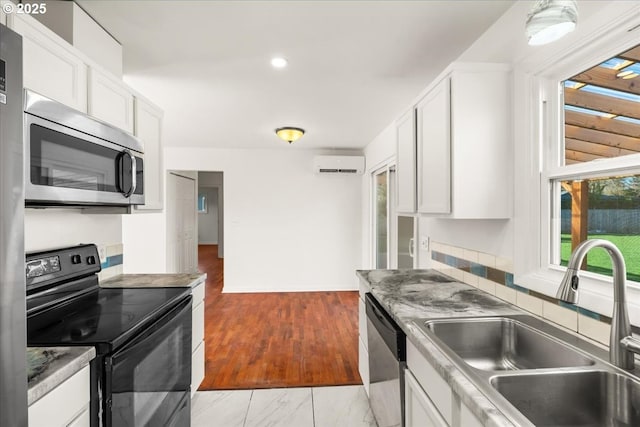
[(419, 409), (363, 344), (467, 419), (197, 337), (67, 405), (429, 400)]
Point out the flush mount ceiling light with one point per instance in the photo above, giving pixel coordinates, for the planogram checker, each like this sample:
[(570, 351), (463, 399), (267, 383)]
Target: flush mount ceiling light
[(550, 20), (279, 62), (289, 134)]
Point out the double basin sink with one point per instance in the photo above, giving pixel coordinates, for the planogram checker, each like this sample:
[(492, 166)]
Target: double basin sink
[(538, 374)]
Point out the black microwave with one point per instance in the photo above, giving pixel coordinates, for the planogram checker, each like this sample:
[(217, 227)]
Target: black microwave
[(73, 159)]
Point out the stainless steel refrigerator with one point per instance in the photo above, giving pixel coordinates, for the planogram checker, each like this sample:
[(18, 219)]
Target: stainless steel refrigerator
[(13, 318)]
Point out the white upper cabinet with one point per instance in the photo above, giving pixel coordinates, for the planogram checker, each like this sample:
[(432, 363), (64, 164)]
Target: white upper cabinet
[(110, 100), (51, 66), (434, 150), (406, 163), (462, 147), (148, 126)]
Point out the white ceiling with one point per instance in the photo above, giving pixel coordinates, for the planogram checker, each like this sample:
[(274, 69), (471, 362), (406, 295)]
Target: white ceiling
[(353, 65)]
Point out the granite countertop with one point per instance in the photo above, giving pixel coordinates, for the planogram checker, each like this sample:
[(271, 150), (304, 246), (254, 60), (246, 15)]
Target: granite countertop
[(48, 367), (185, 280), (419, 294)]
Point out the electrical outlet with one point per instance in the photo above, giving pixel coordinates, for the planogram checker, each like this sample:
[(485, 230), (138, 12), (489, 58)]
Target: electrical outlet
[(102, 253), (424, 243)]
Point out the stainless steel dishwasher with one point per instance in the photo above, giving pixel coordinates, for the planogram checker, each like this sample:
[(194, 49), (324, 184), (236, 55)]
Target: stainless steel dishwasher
[(387, 361)]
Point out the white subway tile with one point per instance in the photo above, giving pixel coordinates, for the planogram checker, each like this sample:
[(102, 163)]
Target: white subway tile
[(529, 303), (470, 255), (487, 285), (504, 264), (113, 250), (470, 279), (560, 315), (486, 259), (506, 294), (594, 329)]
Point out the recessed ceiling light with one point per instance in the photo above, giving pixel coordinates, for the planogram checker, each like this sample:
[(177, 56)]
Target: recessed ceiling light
[(279, 62)]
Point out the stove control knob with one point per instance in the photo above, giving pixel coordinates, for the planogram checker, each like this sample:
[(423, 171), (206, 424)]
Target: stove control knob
[(91, 260), (76, 259)]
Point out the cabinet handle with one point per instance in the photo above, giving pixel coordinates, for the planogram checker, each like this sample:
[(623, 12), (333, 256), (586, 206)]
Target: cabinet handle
[(411, 250)]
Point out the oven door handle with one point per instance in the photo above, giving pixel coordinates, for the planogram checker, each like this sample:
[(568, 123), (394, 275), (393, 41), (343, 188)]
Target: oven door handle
[(151, 332)]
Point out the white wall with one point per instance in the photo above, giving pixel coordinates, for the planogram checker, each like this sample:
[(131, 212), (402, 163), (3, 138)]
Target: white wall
[(51, 228), (285, 228), (208, 222)]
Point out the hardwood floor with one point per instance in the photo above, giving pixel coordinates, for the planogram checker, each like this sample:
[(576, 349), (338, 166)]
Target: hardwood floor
[(267, 340)]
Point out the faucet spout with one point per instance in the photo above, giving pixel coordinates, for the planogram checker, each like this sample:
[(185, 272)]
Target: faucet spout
[(621, 343)]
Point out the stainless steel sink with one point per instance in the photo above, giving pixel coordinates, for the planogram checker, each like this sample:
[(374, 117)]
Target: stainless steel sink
[(498, 344), (579, 398), (537, 374)]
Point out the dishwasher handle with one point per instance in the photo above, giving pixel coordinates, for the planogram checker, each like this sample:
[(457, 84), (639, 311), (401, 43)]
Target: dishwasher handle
[(386, 327)]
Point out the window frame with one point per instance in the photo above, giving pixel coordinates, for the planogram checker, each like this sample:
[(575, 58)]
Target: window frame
[(539, 136)]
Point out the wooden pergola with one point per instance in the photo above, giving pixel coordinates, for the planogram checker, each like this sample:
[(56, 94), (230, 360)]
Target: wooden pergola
[(593, 132)]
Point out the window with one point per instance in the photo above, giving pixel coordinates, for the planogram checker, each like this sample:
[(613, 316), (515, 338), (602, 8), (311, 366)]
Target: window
[(565, 154), (203, 206), (601, 121)]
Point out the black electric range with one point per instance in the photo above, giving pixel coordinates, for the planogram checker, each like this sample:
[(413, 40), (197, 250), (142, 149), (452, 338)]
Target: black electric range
[(142, 373)]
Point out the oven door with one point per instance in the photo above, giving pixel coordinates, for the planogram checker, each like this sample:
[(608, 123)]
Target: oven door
[(65, 166), (148, 380)]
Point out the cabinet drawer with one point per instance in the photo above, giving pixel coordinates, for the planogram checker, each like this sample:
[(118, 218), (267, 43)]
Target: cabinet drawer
[(197, 326), (467, 419), (363, 364), (432, 383), (419, 409), (61, 405), (197, 294), (82, 420), (197, 368), (362, 323)]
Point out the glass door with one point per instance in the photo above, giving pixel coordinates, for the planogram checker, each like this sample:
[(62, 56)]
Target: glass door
[(405, 251), (381, 218)]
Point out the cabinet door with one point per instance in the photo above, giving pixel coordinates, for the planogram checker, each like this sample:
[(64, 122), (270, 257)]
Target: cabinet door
[(197, 368), (419, 410), (64, 404), (51, 67), (406, 163), (148, 126), (433, 117), (110, 100)]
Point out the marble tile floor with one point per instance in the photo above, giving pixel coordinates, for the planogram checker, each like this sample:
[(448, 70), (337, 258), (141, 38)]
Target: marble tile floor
[(342, 406)]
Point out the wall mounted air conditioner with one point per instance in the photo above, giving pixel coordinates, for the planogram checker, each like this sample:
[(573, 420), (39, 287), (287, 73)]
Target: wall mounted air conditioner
[(339, 164)]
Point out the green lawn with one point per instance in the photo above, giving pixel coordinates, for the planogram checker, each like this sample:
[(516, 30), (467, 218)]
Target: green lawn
[(598, 261)]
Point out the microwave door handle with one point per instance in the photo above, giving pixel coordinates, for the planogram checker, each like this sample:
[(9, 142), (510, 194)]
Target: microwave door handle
[(133, 174)]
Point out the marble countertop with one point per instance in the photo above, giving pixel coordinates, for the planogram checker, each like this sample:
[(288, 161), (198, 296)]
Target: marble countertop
[(48, 367), (186, 280), (419, 294)]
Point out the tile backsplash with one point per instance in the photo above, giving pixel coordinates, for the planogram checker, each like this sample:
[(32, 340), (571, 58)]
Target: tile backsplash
[(495, 275), (111, 258)]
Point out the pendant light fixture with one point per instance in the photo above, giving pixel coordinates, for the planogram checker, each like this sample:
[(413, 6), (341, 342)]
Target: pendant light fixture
[(289, 134), (549, 20)]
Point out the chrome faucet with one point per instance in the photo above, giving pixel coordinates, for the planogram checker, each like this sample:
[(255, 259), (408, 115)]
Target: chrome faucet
[(621, 344)]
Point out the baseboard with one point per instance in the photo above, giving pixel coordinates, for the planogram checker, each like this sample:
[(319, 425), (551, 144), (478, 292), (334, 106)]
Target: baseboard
[(257, 289)]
